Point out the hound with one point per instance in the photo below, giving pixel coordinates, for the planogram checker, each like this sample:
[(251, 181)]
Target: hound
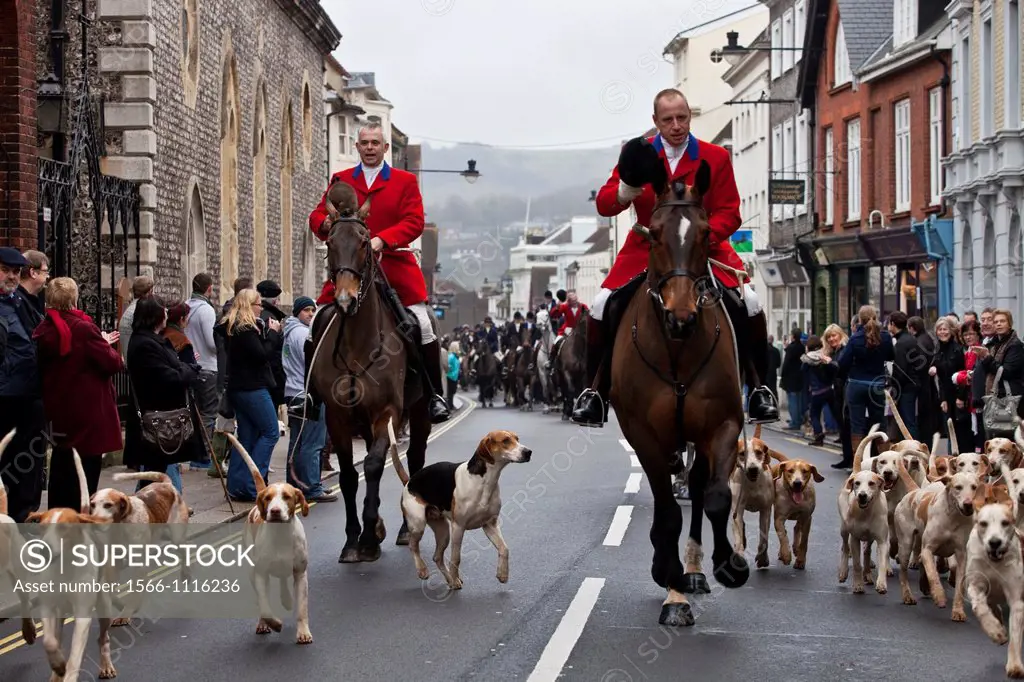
[(794, 501), (278, 503), (753, 490), (863, 517), (72, 527), (453, 498), (11, 542), (936, 521), (994, 576), (1002, 452)]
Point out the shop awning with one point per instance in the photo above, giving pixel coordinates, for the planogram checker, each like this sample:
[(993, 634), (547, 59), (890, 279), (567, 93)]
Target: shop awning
[(783, 271), (931, 237), (841, 250), (885, 246), (894, 245)]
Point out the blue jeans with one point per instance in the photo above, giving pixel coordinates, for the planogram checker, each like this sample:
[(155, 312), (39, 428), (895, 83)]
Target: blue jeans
[(206, 397), (819, 402), (830, 420), (173, 470), (258, 433), (907, 405), (306, 455), (866, 402), (797, 407)]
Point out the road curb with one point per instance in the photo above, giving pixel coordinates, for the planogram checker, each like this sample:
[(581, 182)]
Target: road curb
[(465, 409), (828, 445)]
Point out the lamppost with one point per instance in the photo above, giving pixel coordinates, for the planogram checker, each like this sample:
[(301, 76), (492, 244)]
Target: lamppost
[(733, 53), (506, 288), (470, 173)]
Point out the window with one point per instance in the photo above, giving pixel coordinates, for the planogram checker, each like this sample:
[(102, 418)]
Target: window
[(935, 134), (801, 25), (904, 17), (830, 197), (901, 123), (776, 43), (853, 169), (955, 122), (343, 139), (788, 38), (776, 167), (841, 66), (987, 85), (801, 156), (1011, 44), (788, 159), (964, 95)]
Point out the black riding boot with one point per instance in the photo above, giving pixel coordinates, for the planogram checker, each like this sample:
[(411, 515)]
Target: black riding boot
[(591, 406), (761, 407), (431, 355)]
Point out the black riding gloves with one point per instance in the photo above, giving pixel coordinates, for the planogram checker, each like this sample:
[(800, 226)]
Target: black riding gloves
[(639, 164)]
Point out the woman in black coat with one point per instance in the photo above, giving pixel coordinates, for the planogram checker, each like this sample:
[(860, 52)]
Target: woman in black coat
[(1007, 353), (160, 381), (949, 359)]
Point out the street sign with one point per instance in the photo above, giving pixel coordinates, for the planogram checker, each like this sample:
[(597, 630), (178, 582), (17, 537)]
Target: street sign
[(786, 192), (743, 241)]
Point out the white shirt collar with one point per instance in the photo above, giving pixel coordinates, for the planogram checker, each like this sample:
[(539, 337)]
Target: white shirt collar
[(674, 154), (371, 173)]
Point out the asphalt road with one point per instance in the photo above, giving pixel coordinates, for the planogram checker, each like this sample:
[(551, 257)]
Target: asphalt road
[(580, 603)]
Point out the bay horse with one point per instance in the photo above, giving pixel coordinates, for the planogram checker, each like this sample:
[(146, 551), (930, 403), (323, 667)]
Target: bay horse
[(485, 365), (674, 380), (570, 365), (542, 359), (360, 369)]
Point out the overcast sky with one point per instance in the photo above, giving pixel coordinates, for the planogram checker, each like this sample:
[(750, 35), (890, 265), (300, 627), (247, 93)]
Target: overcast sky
[(518, 72)]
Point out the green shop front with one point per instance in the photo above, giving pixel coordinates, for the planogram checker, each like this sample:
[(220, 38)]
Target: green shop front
[(895, 268)]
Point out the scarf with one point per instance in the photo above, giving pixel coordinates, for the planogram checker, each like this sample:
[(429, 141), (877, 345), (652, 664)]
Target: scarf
[(1000, 353), (177, 338), (63, 330)]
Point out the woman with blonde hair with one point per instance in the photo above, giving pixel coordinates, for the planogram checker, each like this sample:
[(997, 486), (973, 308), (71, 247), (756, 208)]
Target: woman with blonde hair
[(835, 340), (250, 380), (949, 359), (862, 361), (76, 360)]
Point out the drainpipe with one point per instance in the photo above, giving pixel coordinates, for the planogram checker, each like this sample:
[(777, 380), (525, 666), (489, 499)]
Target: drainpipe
[(944, 84)]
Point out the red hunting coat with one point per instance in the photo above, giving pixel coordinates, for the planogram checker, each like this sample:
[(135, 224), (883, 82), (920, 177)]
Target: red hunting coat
[(569, 318), (396, 216), (722, 202)]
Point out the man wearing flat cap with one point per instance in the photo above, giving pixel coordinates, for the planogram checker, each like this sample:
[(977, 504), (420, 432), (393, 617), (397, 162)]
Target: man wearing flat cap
[(269, 291), (21, 402)]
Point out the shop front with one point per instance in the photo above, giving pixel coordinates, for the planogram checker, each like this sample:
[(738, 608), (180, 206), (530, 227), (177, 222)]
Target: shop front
[(788, 303), (897, 268)]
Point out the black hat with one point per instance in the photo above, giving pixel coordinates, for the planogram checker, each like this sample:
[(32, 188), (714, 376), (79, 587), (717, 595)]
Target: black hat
[(517, 316), (12, 257), (301, 303), (268, 289), (548, 294)]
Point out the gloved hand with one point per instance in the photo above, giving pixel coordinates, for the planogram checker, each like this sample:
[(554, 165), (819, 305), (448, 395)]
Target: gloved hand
[(640, 164)]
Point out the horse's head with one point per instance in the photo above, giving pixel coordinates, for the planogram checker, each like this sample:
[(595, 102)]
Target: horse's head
[(679, 235), (543, 320), (351, 262)]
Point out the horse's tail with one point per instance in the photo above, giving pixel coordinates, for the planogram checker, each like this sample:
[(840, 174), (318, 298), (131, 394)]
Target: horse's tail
[(396, 461), (257, 479)]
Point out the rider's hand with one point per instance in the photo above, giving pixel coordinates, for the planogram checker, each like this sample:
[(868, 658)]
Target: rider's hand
[(377, 244)]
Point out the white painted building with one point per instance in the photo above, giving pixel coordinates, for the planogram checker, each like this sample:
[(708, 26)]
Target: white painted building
[(699, 78), (985, 172)]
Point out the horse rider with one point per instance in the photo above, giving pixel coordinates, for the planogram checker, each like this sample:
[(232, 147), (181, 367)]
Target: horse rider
[(570, 312), (513, 332), (396, 219), (681, 152), (489, 333), (531, 324), (555, 311)]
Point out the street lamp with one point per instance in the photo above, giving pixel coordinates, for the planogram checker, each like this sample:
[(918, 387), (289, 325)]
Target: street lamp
[(50, 106), (593, 195), (470, 173), (733, 53)]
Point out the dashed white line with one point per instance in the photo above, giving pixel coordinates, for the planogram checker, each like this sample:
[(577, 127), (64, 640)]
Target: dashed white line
[(568, 632), (625, 444), (620, 522), (634, 461), (633, 484)]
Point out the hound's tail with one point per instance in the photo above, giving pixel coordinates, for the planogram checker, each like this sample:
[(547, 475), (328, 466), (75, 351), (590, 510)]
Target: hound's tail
[(396, 461), (953, 444), (858, 456), (3, 491), (899, 420), (151, 476), (257, 478), (83, 485), (1018, 437)]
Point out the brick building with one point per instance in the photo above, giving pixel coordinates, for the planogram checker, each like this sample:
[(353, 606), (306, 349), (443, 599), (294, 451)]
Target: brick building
[(18, 155), (215, 110), (880, 99)]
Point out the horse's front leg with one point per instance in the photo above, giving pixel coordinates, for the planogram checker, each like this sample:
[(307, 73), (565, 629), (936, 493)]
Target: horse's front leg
[(373, 469), (730, 568), (694, 580), (666, 569), (348, 478)]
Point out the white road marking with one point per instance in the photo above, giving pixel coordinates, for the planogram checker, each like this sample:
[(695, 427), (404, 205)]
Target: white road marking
[(635, 461), (620, 522), (633, 484), (568, 632), (625, 444)]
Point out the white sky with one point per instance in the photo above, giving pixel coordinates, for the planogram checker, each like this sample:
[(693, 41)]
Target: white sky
[(518, 72)]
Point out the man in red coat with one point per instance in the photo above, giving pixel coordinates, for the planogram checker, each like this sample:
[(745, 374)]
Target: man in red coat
[(680, 153), (570, 312), (395, 220)]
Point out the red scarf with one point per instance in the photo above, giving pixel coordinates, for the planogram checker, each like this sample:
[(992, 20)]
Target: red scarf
[(63, 331)]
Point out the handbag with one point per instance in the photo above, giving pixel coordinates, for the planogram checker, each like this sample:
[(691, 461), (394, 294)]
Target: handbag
[(1000, 413), (168, 430)]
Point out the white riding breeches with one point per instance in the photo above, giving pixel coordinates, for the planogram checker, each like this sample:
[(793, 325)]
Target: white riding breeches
[(750, 298), (423, 314)]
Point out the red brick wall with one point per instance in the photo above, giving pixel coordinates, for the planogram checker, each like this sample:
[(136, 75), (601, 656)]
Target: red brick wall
[(873, 103), (18, 124)]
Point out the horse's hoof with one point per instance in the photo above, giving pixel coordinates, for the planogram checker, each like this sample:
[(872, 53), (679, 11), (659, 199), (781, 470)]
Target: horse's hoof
[(676, 615), (734, 572), (381, 530), (369, 553), (695, 583), (349, 555)]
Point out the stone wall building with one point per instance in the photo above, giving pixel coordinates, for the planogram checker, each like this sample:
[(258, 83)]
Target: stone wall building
[(215, 109)]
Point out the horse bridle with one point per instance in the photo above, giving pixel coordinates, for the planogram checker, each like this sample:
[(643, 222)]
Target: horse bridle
[(366, 275), (696, 278)]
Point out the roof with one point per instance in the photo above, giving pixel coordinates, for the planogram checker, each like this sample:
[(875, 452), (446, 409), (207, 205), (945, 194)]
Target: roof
[(752, 59), (562, 235), (886, 54), (734, 11), (601, 241), (314, 22), (861, 21)]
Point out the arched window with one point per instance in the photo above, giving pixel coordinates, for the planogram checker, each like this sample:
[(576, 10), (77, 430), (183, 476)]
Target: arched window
[(1016, 287), (229, 138), (287, 167), (259, 184), (990, 289), (190, 51), (312, 270), (967, 265), (193, 256), (307, 122)]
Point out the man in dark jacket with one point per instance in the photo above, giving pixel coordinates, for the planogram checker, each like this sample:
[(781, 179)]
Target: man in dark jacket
[(774, 363), (21, 402), (908, 369), (489, 333), (269, 291), (793, 381)]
